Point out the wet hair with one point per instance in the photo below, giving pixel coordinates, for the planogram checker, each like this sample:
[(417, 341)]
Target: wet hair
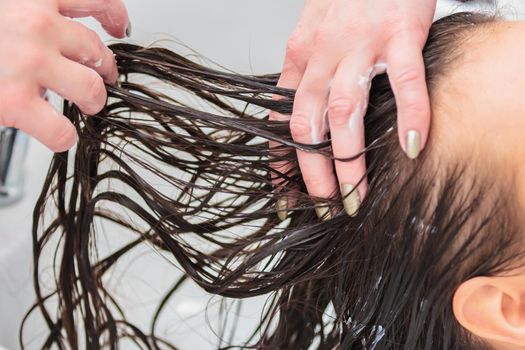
[(193, 179)]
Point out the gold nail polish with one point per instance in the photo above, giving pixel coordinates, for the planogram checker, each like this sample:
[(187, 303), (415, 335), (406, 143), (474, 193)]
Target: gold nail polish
[(282, 208), (413, 144), (351, 199), (323, 212)]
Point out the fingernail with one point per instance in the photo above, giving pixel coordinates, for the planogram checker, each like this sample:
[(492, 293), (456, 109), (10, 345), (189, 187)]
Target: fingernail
[(413, 144), (323, 213), (282, 209), (129, 29), (351, 199)]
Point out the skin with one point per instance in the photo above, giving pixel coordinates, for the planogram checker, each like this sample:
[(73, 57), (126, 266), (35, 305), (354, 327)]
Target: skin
[(488, 102), (42, 48), (336, 49), (481, 90)]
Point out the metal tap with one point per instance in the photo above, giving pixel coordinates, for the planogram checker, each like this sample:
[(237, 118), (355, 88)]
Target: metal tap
[(13, 149)]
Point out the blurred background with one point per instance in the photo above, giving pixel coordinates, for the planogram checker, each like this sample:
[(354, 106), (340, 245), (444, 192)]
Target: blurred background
[(248, 36)]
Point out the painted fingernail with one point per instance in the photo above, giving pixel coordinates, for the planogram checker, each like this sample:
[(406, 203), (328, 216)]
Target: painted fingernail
[(129, 29), (351, 199), (413, 144), (282, 209), (323, 213)]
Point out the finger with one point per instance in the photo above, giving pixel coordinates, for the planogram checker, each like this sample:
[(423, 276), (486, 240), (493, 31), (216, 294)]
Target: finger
[(308, 125), (111, 14), (83, 45), (298, 51), (76, 83), (347, 107), (41, 121), (406, 71), (290, 79)]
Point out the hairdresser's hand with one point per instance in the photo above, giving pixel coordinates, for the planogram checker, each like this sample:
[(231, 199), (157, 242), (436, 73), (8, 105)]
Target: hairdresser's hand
[(335, 51), (40, 48)]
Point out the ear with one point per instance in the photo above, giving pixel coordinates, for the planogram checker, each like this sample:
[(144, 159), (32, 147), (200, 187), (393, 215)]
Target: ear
[(493, 308)]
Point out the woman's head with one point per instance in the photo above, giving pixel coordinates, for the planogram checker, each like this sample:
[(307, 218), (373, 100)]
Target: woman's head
[(436, 241), (460, 207), (479, 122)]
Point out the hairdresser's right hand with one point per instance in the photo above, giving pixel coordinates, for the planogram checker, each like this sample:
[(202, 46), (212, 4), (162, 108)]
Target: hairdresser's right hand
[(40, 49), (332, 56)]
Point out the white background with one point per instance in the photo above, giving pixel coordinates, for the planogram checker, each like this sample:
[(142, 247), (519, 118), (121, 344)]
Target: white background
[(248, 36)]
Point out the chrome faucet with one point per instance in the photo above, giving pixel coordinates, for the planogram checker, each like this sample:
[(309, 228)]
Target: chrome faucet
[(13, 148)]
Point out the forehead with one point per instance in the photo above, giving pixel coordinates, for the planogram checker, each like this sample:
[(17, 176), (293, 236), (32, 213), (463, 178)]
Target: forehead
[(491, 81), (482, 99), (479, 106)]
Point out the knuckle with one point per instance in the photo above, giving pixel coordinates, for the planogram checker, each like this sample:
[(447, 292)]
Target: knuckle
[(323, 36), (339, 111), (280, 168), (393, 23), (413, 107), (280, 165), (299, 126), (296, 48), (406, 77), (34, 59), (95, 97), (312, 182), (95, 45), (397, 26), (96, 87), (276, 152), (277, 117), (66, 136)]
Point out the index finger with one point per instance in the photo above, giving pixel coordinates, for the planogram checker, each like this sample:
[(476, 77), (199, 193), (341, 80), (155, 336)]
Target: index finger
[(289, 79), (111, 14), (406, 72)]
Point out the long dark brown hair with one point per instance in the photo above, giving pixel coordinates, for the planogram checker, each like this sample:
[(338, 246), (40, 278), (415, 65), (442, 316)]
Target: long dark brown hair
[(388, 274)]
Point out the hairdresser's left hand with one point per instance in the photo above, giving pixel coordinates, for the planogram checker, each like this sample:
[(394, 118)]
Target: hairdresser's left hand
[(336, 49), (41, 49)]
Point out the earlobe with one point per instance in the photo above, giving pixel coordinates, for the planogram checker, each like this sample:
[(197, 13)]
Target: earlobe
[(492, 308)]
